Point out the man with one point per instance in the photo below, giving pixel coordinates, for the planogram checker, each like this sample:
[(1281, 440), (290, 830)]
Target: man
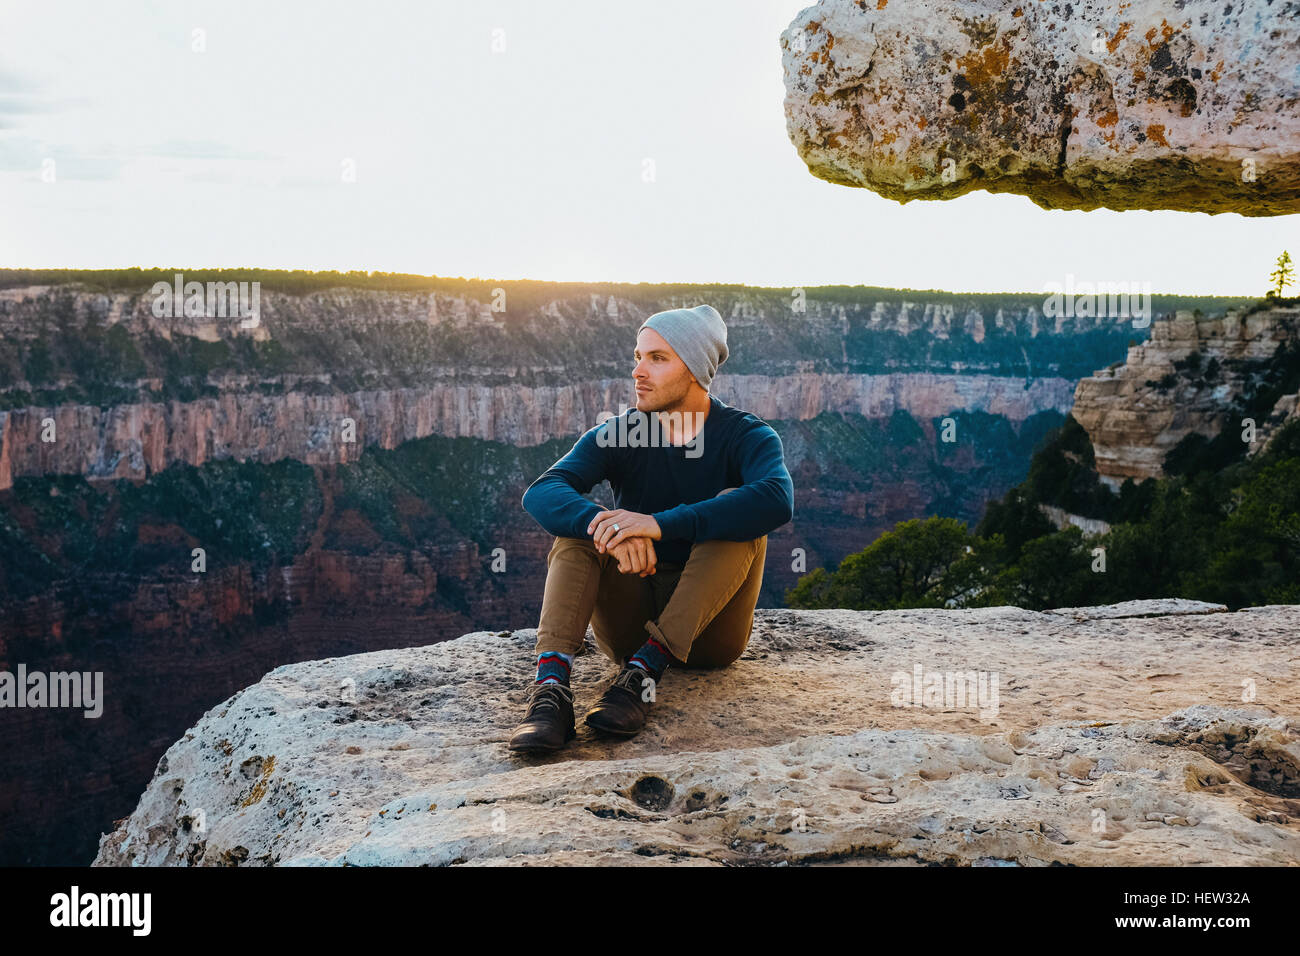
[(672, 574)]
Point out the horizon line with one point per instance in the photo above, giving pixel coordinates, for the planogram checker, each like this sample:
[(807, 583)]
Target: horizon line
[(370, 274)]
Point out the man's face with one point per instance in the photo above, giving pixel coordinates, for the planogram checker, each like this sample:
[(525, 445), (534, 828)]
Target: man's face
[(662, 379)]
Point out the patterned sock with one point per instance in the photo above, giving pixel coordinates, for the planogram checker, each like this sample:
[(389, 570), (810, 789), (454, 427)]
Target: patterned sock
[(553, 668), (652, 657)]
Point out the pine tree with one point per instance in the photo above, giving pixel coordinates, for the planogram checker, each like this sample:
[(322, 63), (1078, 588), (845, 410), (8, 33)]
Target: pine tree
[(1281, 276)]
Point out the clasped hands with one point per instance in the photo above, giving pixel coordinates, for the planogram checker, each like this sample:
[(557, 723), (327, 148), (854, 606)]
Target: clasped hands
[(632, 543)]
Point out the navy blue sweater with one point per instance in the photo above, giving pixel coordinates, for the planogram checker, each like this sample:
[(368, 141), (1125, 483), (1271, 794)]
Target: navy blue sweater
[(675, 484)]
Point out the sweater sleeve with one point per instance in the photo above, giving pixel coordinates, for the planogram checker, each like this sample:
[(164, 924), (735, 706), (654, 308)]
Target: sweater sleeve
[(763, 503), (556, 499)]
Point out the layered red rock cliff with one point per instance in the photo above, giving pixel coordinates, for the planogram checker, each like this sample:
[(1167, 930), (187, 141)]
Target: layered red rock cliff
[(139, 440), (260, 412)]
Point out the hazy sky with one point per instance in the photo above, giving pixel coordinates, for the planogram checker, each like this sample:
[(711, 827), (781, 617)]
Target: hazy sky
[(524, 162)]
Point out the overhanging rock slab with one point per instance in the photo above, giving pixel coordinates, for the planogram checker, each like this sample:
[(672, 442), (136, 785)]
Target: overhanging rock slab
[(1150, 104)]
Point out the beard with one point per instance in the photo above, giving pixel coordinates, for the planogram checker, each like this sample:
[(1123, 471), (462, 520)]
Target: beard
[(664, 398)]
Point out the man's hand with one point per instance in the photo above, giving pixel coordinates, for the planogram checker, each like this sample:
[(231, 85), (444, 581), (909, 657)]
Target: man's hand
[(635, 556), (631, 524)]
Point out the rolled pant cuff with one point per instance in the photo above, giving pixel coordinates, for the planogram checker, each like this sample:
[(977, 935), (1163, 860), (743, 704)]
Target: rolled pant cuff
[(680, 653), (547, 645)]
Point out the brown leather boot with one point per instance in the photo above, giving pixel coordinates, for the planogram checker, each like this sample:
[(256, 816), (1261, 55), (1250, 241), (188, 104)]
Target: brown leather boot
[(622, 709), (548, 723)]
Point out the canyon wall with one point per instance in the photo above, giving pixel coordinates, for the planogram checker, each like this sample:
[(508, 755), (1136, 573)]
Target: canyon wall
[(96, 384), (138, 440), (1195, 376)]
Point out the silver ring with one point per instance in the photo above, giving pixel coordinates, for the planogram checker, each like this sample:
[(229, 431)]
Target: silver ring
[(615, 525)]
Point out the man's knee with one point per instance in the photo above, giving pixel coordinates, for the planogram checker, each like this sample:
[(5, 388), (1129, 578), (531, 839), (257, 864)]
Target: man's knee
[(566, 544), (708, 658), (739, 550)]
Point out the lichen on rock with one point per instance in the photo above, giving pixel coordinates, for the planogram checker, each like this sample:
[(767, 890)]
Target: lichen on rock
[(1154, 104)]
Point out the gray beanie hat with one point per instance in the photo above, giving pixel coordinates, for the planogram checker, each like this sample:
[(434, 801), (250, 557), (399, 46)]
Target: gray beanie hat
[(698, 336)]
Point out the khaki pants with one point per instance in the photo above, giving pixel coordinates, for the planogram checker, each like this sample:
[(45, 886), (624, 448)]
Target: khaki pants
[(703, 612)]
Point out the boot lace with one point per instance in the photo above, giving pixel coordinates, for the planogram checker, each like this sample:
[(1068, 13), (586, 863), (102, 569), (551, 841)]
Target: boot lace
[(546, 695), (631, 678)]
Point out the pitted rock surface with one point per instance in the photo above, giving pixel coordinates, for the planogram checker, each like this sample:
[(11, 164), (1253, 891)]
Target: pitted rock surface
[(1148, 733)]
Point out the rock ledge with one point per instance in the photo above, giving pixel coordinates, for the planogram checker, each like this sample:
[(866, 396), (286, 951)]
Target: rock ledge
[(1115, 738)]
